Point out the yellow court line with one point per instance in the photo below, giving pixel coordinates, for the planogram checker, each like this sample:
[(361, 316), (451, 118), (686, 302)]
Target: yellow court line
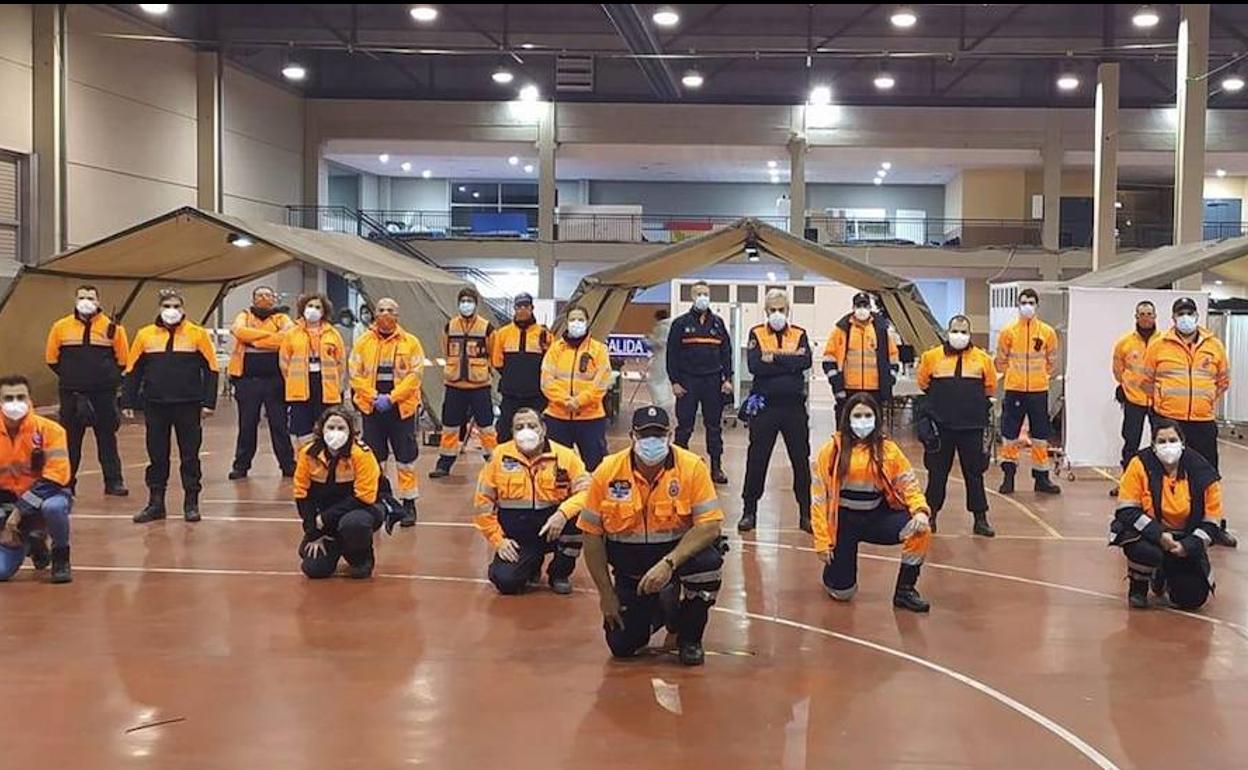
[(1233, 445), (1106, 475)]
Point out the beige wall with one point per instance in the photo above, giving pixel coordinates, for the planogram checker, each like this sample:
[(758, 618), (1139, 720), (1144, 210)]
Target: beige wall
[(15, 78), (262, 148), (994, 194)]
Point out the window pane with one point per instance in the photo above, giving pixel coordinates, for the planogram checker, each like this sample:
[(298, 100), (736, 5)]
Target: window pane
[(747, 294), (803, 295), (520, 194), (476, 193), (686, 292), (719, 292), (529, 214)]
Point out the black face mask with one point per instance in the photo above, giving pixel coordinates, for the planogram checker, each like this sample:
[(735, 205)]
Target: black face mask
[(1146, 333), (262, 312)]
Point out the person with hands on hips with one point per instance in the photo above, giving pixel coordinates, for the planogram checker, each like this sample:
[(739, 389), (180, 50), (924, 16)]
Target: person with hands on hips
[(652, 522), (863, 489), (528, 497)]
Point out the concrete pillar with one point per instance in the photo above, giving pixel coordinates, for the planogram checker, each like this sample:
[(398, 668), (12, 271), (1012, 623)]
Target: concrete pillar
[(1105, 167), (48, 84), (546, 196), (208, 129), (1052, 153), (582, 192), (384, 193), (1193, 92), (545, 270), (797, 185)]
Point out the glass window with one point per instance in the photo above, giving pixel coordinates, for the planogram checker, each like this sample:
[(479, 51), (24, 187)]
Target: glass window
[(519, 194), (474, 193), (719, 292), (803, 295), (747, 294)]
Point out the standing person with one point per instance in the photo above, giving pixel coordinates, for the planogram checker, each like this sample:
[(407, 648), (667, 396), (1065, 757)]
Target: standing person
[(313, 360), (172, 377), (865, 491), (466, 344), (517, 353), (1027, 353), (257, 378), (657, 379), (652, 521), (1186, 371), (576, 373), (1129, 373), (34, 487), (779, 358), (959, 379), (1169, 512), (856, 358), (528, 497), (387, 364), (699, 363), (87, 350)]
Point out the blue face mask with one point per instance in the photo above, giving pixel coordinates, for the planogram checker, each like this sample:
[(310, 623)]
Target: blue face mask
[(652, 450)]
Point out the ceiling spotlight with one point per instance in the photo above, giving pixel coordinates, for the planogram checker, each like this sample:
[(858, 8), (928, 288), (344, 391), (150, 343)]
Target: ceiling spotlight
[(528, 169), (405, 166), (1145, 17), (294, 71), (384, 157), (881, 173), (877, 180), (820, 95), (240, 241), (751, 248), (1117, 204), (463, 188), (666, 17), (502, 76), (772, 164), (513, 160), (887, 166), (424, 13), (775, 179), (155, 9), (476, 195), (527, 46), (693, 79), (884, 81), (529, 93), (1220, 173), (1232, 83), (427, 173), (904, 18), (1068, 82), (771, 276)]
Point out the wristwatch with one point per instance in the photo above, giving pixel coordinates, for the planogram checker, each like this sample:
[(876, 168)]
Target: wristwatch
[(670, 563)]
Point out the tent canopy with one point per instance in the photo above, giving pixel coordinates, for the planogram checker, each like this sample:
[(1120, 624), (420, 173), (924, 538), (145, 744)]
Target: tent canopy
[(192, 250), (1159, 268), (604, 294)]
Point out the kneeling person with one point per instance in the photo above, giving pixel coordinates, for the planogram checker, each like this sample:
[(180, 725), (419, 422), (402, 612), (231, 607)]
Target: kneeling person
[(1169, 512), (336, 480), (528, 497), (34, 489), (652, 515)]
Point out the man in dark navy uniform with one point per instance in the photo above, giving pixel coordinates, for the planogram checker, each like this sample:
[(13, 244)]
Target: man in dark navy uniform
[(699, 363)]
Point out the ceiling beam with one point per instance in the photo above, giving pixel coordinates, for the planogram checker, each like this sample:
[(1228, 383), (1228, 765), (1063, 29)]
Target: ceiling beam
[(692, 26), (640, 39), (846, 26)]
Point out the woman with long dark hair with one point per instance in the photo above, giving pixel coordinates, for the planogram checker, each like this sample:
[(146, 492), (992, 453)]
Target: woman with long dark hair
[(313, 360), (863, 489)]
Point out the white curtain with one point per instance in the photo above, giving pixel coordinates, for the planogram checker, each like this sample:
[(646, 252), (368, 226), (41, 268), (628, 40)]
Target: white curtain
[(1235, 337)]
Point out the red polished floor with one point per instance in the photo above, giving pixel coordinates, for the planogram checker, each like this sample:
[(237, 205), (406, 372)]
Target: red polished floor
[(181, 646)]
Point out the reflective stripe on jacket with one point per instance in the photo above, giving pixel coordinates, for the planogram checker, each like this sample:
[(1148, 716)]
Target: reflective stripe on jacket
[(1185, 380), (581, 372), (1027, 353), (305, 352), (392, 364), (864, 487), (555, 479)]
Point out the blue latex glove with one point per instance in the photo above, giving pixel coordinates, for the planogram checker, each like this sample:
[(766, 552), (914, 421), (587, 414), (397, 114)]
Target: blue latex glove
[(382, 403)]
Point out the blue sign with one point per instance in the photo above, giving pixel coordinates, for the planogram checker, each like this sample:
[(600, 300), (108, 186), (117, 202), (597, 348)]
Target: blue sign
[(628, 346)]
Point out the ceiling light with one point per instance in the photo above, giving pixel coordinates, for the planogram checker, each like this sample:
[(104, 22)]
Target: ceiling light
[(513, 160), (405, 166), (384, 157), (1220, 173), (877, 180), (772, 164), (241, 241), (1145, 17), (502, 76), (904, 18), (666, 17), (881, 173), (1217, 283), (693, 79), (771, 276), (529, 93), (155, 9), (427, 173), (1232, 83), (527, 46), (528, 169), (463, 189), (884, 81), (820, 95), (775, 179), (887, 166), (424, 13), (1117, 204), (294, 71), (476, 195), (1068, 82)]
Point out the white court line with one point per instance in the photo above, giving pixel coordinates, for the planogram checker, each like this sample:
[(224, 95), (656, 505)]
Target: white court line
[(255, 519), (173, 459), (1035, 518), (1074, 741), (1233, 445)]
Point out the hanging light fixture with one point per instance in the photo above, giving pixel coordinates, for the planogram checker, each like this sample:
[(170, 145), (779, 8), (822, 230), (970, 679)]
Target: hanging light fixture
[(904, 17), (693, 79), (1145, 17), (502, 76)]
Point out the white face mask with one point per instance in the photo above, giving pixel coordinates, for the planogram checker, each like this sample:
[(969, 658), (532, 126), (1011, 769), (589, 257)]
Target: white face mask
[(86, 307), (777, 320), (862, 426), (701, 302), (1186, 324), (336, 438), (312, 314), (467, 307), (1169, 453), (528, 439), (577, 329), (1027, 311), (171, 315), (959, 340), (862, 313), (16, 410)]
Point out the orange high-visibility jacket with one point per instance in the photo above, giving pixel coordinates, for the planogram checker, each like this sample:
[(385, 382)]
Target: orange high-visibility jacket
[(1185, 380), (357, 474), (1129, 369), (466, 346), (581, 372), (894, 484), (1027, 353), (392, 364), (175, 365), (854, 352), (16, 474), (1176, 497), (305, 352), (87, 355), (622, 506), (555, 479), (257, 337)]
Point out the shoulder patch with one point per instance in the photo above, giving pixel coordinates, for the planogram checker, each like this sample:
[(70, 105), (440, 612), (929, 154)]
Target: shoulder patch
[(620, 489), (510, 463)]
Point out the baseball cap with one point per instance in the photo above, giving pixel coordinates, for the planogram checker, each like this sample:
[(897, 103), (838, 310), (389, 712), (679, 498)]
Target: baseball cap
[(1185, 305), (651, 417), (862, 299), (523, 298)]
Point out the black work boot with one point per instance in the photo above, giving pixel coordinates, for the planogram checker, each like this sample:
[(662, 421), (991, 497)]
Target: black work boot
[(37, 548), (717, 472), (1158, 583), (803, 521), (692, 654), (560, 585), (1007, 484), (982, 527), (1224, 537), (906, 596), (360, 568), (1043, 485), (190, 507), (236, 474), (155, 509), (443, 468), (748, 518), (1137, 594), (116, 489), (409, 514), (61, 573), (931, 520)]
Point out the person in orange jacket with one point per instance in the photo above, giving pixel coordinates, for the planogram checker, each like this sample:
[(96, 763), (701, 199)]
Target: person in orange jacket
[(528, 497), (1187, 372), (863, 489), (1027, 353), (257, 378), (88, 352), (387, 364), (516, 354), (466, 344), (313, 360), (861, 355), (576, 373), (1129, 374), (34, 486)]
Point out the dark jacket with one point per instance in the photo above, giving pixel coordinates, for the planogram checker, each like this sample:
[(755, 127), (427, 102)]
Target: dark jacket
[(784, 378), (171, 365), (698, 346)]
